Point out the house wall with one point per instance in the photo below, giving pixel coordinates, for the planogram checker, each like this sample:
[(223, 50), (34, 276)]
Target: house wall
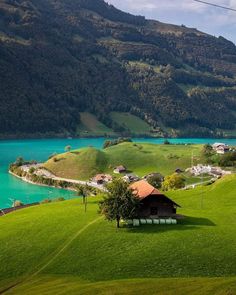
[(156, 206)]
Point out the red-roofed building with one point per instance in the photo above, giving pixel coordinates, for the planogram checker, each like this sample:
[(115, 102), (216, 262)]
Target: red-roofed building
[(154, 204), (102, 178)]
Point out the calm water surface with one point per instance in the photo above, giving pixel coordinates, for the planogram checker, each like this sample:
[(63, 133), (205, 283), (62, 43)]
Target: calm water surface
[(40, 149)]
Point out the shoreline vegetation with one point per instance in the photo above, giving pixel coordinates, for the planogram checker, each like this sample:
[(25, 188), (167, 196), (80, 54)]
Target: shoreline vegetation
[(53, 182), (105, 136)]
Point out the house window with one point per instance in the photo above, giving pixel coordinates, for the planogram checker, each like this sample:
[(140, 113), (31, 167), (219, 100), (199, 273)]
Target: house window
[(154, 210)]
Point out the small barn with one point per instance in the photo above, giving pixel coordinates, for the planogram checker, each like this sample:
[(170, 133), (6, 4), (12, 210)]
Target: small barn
[(154, 204), (120, 169)]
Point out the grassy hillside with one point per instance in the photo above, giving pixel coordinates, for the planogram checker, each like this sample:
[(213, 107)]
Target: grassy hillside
[(59, 249), (90, 126), (139, 158), (48, 285), (124, 122), (133, 124)]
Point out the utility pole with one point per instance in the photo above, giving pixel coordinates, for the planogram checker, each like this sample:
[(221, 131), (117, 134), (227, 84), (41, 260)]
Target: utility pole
[(202, 192), (85, 204)]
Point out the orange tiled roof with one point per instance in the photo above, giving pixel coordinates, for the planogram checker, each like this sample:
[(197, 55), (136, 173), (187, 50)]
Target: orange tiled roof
[(143, 189)]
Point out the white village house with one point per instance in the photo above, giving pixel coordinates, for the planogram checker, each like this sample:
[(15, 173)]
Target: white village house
[(220, 148)]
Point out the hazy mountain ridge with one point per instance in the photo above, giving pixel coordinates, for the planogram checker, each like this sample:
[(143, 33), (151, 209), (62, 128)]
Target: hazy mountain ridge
[(58, 58)]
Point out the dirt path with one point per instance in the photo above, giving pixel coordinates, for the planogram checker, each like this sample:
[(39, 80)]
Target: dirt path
[(67, 244), (55, 255)]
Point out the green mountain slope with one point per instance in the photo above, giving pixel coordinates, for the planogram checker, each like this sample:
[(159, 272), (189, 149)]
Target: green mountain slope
[(61, 245), (60, 58)]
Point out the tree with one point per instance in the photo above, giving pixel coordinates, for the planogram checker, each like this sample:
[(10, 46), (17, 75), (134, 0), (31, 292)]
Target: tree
[(166, 141), (155, 180), (172, 182), (19, 161), (119, 203), (84, 192), (67, 148), (228, 159), (17, 204), (207, 151)]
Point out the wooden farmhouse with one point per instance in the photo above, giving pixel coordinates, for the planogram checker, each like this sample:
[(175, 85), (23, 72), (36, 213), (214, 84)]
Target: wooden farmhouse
[(154, 204)]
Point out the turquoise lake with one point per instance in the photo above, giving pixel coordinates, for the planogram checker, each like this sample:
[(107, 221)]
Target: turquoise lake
[(13, 188)]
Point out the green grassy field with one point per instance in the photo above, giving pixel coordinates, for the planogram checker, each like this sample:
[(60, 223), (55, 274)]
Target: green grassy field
[(138, 158), (90, 126), (132, 123), (57, 248), (48, 285)]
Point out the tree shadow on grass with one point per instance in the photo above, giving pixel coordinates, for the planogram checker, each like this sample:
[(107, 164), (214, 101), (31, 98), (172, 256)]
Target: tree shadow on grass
[(186, 224), (199, 221), (157, 229), (146, 152)]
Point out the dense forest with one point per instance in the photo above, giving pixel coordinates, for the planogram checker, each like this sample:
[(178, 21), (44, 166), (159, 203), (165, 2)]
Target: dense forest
[(62, 57)]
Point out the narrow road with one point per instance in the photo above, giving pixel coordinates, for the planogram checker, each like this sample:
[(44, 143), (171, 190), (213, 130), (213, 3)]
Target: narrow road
[(72, 181), (81, 182), (193, 185)]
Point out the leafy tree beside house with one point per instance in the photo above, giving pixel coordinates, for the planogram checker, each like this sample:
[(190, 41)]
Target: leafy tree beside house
[(156, 180), (173, 182), (208, 152), (119, 203)]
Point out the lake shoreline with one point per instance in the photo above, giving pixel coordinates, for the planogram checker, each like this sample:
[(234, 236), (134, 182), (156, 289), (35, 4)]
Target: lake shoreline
[(39, 184), (70, 182), (64, 136)]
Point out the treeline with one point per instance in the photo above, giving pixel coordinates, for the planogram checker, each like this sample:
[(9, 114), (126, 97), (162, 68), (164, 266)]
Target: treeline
[(109, 143), (112, 13), (198, 78)]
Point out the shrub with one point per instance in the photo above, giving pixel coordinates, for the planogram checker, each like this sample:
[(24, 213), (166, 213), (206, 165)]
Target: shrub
[(109, 143), (52, 156), (173, 182), (31, 170), (156, 180), (45, 201), (17, 204), (59, 199), (166, 141)]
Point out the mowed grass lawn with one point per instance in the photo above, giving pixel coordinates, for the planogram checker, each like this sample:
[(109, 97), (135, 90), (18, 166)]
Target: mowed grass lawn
[(132, 123), (137, 157), (72, 252), (91, 126)]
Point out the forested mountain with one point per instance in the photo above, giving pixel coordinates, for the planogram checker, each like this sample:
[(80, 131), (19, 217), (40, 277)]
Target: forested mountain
[(62, 57)]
